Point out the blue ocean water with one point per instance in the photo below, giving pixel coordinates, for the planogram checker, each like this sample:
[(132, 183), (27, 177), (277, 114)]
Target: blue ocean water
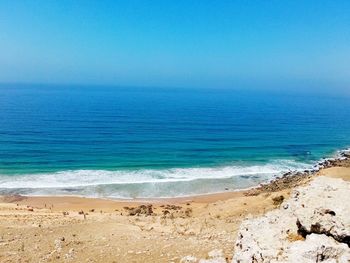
[(160, 142)]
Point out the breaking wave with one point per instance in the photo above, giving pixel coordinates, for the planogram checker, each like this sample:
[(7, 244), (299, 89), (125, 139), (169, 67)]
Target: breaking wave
[(146, 182)]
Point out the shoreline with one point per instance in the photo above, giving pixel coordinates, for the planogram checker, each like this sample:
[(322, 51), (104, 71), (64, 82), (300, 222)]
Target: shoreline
[(290, 177), (232, 183), (287, 180), (80, 229)]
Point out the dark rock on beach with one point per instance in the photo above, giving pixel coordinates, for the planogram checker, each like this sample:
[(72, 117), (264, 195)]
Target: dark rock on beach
[(140, 210)]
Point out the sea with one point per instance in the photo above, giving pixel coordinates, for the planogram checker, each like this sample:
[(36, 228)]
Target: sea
[(134, 142)]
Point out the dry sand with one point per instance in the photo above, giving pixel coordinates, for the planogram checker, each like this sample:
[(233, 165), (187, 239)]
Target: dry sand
[(74, 229)]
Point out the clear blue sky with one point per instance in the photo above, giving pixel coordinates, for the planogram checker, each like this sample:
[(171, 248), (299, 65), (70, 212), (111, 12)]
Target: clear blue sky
[(175, 43)]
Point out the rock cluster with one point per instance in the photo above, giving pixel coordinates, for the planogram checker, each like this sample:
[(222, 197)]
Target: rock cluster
[(312, 226), (140, 210), (339, 160), (293, 179)]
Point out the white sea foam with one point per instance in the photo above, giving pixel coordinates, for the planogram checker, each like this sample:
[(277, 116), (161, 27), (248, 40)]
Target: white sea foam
[(83, 178)]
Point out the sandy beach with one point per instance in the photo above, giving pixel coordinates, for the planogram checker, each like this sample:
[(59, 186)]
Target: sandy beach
[(174, 131), (75, 229)]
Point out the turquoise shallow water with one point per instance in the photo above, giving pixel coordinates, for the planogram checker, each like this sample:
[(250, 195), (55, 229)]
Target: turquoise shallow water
[(133, 142)]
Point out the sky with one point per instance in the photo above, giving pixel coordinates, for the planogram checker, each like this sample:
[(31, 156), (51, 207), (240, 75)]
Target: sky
[(202, 43)]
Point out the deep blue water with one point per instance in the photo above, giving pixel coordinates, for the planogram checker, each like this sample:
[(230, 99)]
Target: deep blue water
[(134, 142)]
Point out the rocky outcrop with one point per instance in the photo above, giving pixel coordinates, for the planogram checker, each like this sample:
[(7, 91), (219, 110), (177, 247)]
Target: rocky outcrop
[(312, 226), (323, 208), (317, 248), (292, 179)]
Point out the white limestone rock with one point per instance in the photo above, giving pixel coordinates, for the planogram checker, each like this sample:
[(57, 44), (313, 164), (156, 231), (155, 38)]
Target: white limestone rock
[(323, 207), (263, 238), (317, 248)]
